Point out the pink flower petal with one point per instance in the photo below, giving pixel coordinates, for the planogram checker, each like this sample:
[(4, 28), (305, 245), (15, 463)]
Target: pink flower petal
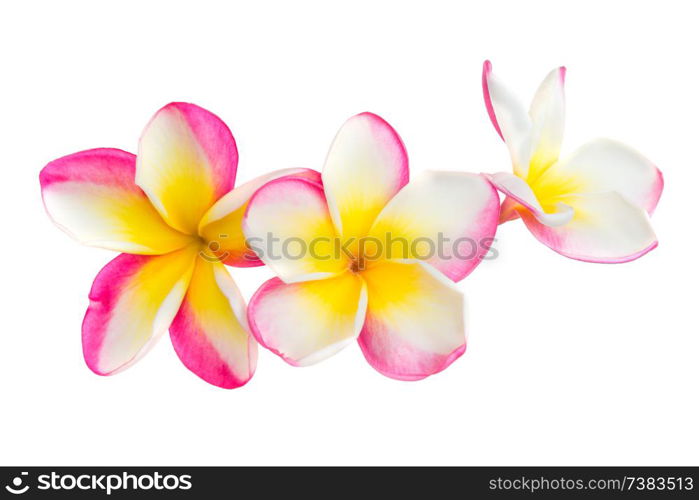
[(547, 112), (308, 321), (187, 160), (510, 119), (414, 323), (132, 302), (222, 226), (210, 332), (289, 226), (606, 165), (447, 219), (92, 196), (605, 228), (521, 194), (366, 166)]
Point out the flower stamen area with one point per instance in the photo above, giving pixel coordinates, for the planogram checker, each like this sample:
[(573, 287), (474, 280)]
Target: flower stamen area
[(357, 264)]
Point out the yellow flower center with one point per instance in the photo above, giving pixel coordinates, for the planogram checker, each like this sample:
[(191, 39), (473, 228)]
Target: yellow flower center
[(549, 186)]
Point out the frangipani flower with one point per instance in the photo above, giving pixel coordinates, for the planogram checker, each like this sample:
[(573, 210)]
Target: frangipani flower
[(172, 213), (403, 309), (593, 205)]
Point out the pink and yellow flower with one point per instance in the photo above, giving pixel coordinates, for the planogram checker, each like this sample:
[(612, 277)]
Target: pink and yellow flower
[(173, 213), (593, 205), (402, 307)]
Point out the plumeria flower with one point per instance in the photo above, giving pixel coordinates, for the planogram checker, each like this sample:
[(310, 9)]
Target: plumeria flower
[(175, 217), (593, 205), (402, 307)]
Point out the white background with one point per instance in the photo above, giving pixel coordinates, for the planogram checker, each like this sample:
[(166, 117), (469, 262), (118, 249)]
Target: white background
[(568, 363)]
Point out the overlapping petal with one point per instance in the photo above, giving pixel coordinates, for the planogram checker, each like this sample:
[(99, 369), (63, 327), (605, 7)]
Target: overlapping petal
[(605, 228), (132, 302), (447, 219), (210, 332), (510, 119), (414, 321), (309, 321), (92, 196), (289, 226), (222, 229), (520, 196), (606, 165), (187, 160), (366, 166), (547, 112)]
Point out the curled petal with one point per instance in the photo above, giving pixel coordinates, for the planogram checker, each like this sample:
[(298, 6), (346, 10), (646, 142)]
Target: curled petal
[(414, 322), (308, 321), (366, 166), (210, 332), (605, 165), (92, 196), (510, 119), (547, 112), (288, 225), (222, 229), (132, 302), (521, 197), (187, 159), (605, 228), (447, 219)]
